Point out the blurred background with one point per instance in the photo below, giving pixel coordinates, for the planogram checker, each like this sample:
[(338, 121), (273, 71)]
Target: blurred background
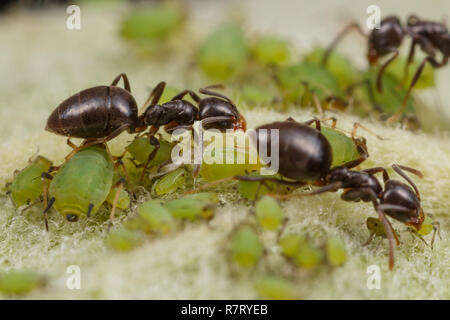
[(42, 62)]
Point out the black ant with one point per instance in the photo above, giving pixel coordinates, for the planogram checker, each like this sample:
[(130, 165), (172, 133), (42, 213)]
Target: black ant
[(430, 36), (101, 113), (305, 157)]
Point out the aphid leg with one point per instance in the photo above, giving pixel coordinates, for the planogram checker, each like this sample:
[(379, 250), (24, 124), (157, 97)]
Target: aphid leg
[(357, 125), (119, 163), (119, 186), (90, 207), (7, 187), (126, 83), (418, 235), (371, 237), (317, 104), (436, 229), (283, 227), (154, 142), (314, 120), (383, 67), (352, 26), (398, 168), (47, 208), (416, 77)]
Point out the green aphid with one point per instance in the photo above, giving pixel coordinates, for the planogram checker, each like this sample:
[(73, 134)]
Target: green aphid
[(427, 226), (336, 252), (308, 256), (140, 148), (224, 52), (426, 80), (375, 227), (343, 147), (269, 213), (321, 81), (253, 189), (393, 93), (153, 23), (19, 282), (276, 288), (338, 65), (170, 182), (153, 217), (123, 239), (82, 184), (212, 171), (204, 196), (246, 248), (191, 209), (123, 201), (271, 51), (254, 95), (27, 184), (299, 249), (290, 244)]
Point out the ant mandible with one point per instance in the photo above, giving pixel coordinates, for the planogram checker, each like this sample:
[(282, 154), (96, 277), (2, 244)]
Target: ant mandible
[(430, 36)]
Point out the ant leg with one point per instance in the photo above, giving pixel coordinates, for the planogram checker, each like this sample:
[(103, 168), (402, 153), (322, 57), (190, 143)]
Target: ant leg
[(119, 185), (352, 26), (409, 61), (383, 67), (126, 83), (266, 179), (398, 168), (332, 187), (155, 95), (390, 232), (354, 163), (181, 95), (416, 77), (376, 170), (154, 142), (206, 91)]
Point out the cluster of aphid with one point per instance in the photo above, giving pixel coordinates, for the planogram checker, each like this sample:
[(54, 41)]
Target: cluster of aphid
[(310, 153), (264, 72)]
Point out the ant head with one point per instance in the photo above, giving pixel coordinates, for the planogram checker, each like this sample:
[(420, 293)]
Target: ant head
[(240, 124), (385, 39)]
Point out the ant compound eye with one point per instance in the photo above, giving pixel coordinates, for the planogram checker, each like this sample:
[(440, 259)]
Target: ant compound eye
[(72, 217)]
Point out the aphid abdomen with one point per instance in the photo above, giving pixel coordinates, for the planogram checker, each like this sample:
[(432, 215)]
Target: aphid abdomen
[(27, 184), (83, 180), (344, 149)]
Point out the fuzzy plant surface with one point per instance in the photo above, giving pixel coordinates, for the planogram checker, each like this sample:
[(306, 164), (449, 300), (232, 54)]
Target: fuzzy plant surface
[(50, 62)]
